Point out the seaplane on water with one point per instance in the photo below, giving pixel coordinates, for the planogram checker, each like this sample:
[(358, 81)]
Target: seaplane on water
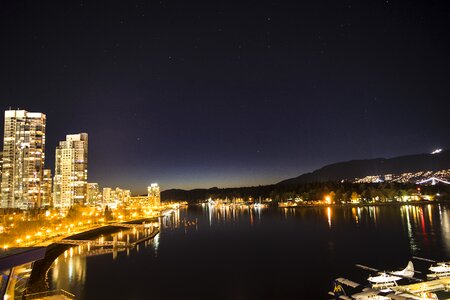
[(380, 285), (384, 280), (439, 269)]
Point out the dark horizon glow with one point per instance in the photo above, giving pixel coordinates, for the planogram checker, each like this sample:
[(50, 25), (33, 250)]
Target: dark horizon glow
[(232, 94)]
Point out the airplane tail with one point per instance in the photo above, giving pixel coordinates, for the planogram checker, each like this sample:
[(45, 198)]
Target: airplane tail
[(409, 270)]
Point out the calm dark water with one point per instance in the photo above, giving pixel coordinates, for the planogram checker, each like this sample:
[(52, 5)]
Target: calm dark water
[(258, 254)]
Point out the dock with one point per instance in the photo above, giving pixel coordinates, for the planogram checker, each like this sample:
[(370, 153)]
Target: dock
[(150, 236), (431, 286)]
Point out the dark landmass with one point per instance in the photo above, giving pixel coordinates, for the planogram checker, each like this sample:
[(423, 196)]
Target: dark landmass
[(312, 186), (378, 166)]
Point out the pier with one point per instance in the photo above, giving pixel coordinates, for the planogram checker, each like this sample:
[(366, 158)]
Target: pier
[(93, 243), (437, 285), (150, 236)]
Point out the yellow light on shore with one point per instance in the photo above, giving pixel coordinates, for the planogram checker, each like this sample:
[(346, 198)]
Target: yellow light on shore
[(328, 199)]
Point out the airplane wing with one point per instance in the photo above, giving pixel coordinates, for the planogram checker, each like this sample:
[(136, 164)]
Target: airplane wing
[(348, 282), (367, 268), (424, 259)]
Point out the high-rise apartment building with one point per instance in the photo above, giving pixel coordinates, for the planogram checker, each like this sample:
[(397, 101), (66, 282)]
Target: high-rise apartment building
[(23, 159), (106, 196), (126, 197), (154, 195), (71, 161), (46, 188), (1, 167), (94, 196)]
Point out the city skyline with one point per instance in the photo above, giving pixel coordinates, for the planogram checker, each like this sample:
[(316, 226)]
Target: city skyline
[(212, 97), (256, 149), (63, 190)]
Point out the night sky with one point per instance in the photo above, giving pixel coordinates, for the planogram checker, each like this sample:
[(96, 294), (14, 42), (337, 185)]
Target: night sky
[(229, 93)]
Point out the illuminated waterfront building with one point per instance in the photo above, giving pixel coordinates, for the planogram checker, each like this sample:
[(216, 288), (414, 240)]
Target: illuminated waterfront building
[(121, 195), (154, 195), (46, 188), (1, 166), (94, 197), (71, 160), (23, 159), (115, 197), (106, 196), (126, 196)]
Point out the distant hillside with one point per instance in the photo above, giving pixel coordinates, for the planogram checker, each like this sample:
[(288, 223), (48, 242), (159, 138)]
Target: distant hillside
[(360, 168), (334, 172)]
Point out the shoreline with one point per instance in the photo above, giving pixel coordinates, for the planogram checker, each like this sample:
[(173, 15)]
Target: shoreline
[(107, 228), (37, 282), (421, 202)]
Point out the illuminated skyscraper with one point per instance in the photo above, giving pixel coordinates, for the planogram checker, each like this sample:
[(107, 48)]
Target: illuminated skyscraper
[(1, 167), (106, 196), (70, 184), (154, 195), (23, 159), (94, 196), (46, 188)]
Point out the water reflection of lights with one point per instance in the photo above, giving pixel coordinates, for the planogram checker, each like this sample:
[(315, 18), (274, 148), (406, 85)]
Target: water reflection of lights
[(445, 225), (224, 213), (430, 215), (210, 209), (355, 215), (422, 223), (71, 270), (359, 213), (329, 216), (156, 244), (412, 241), (373, 214)]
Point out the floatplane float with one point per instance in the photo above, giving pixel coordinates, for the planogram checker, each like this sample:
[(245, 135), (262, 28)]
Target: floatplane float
[(438, 269)]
